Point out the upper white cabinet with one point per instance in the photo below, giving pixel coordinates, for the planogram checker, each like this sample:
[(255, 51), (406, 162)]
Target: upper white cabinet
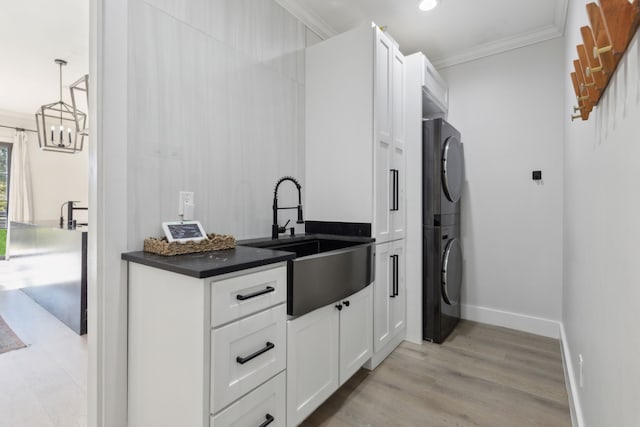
[(355, 132)]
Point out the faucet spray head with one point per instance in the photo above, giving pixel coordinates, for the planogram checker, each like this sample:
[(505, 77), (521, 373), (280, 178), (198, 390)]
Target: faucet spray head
[(300, 220)]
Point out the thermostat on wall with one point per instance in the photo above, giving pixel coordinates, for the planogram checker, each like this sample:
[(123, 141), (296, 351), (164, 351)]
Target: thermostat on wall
[(184, 231)]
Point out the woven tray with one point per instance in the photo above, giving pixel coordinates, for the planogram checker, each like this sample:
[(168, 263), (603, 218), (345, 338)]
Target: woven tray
[(216, 242)]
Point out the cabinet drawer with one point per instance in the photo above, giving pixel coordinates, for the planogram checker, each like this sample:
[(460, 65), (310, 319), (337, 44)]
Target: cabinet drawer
[(265, 403), (244, 295), (246, 353)]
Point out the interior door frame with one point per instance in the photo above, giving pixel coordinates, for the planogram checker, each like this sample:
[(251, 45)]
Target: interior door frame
[(107, 273), (9, 145)]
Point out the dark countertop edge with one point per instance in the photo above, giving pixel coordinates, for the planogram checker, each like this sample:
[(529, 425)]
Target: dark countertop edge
[(302, 237), (139, 258)]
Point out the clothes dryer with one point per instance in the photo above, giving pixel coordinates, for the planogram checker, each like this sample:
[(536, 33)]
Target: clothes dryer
[(443, 172)]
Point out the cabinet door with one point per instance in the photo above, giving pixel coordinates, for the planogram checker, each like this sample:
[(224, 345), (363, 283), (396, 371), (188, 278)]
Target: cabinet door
[(312, 361), (382, 296), (398, 212), (355, 332), (382, 97), (383, 124), (399, 302)]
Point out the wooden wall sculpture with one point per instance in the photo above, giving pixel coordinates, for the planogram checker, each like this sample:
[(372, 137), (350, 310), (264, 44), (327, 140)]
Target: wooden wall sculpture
[(613, 23)]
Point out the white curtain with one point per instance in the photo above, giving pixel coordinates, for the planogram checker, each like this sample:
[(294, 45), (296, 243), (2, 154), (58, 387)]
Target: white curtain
[(20, 193)]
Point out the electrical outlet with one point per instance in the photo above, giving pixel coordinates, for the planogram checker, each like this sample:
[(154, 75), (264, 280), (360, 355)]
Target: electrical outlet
[(580, 366), (186, 205)]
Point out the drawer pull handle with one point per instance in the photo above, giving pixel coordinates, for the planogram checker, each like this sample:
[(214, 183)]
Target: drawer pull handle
[(243, 360), (255, 294), (269, 420)]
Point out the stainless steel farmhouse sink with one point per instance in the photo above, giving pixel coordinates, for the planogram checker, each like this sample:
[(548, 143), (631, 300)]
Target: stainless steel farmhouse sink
[(326, 268)]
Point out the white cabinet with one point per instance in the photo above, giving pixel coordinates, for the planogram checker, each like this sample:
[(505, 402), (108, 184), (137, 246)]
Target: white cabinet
[(246, 353), (204, 352), (324, 349), (355, 332), (355, 132), (389, 300), (398, 161), (312, 361), (264, 404)]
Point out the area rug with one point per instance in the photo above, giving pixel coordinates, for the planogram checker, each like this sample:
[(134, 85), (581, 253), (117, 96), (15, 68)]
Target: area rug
[(8, 339)]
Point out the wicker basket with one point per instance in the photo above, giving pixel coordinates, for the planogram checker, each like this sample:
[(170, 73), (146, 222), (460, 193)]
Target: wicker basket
[(215, 242)]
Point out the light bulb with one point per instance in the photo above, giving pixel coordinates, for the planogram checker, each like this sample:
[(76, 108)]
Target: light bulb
[(428, 4)]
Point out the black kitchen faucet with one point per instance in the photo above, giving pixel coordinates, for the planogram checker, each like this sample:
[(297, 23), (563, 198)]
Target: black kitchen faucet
[(275, 228)]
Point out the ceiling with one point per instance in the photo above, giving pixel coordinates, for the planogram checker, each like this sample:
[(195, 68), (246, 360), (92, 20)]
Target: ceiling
[(35, 32), (32, 34), (454, 32)]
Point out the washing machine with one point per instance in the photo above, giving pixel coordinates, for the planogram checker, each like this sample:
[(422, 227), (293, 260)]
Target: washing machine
[(442, 279), (443, 179)]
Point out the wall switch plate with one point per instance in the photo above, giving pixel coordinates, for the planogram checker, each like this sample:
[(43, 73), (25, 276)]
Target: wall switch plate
[(186, 205)]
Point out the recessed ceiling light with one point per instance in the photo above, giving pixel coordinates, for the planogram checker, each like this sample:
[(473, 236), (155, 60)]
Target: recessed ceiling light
[(428, 4)]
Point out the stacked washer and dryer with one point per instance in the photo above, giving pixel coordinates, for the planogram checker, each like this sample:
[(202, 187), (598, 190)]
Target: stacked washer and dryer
[(435, 179), (443, 178)]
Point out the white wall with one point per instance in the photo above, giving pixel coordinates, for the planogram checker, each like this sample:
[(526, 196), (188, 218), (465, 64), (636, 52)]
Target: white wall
[(508, 108), (56, 177), (216, 106), (601, 235)]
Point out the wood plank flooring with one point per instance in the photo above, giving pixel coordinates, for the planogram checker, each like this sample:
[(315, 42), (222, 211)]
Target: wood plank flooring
[(44, 384), (481, 376)]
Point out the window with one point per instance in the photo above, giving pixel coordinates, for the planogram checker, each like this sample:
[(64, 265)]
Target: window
[(5, 165)]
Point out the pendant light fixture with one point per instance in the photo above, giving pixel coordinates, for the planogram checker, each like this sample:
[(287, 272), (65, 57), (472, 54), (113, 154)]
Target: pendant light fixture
[(56, 124), (77, 99), (428, 4)]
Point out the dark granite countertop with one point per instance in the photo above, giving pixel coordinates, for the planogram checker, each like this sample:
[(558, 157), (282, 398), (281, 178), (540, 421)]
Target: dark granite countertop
[(207, 264)]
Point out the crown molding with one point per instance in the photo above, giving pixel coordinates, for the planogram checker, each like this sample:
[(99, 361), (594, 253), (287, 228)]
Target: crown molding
[(324, 30), (509, 43), (498, 46), (560, 16), (308, 18)]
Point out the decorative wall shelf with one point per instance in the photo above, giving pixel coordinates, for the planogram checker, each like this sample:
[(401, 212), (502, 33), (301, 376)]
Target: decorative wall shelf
[(613, 24)]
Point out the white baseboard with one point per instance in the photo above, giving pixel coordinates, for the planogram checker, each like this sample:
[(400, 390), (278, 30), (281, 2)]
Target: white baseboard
[(521, 322), (570, 381)]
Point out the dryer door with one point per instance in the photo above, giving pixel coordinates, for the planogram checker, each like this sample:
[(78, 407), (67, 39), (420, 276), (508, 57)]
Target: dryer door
[(452, 169), (451, 272)]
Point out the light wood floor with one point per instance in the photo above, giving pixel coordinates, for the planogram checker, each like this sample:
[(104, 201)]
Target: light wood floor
[(44, 384), (481, 376)]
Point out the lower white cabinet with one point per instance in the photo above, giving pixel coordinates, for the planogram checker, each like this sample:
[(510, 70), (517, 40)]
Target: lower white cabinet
[(355, 332), (192, 367), (389, 300), (312, 361), (263, 406), (246, 353), (324, 349)]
